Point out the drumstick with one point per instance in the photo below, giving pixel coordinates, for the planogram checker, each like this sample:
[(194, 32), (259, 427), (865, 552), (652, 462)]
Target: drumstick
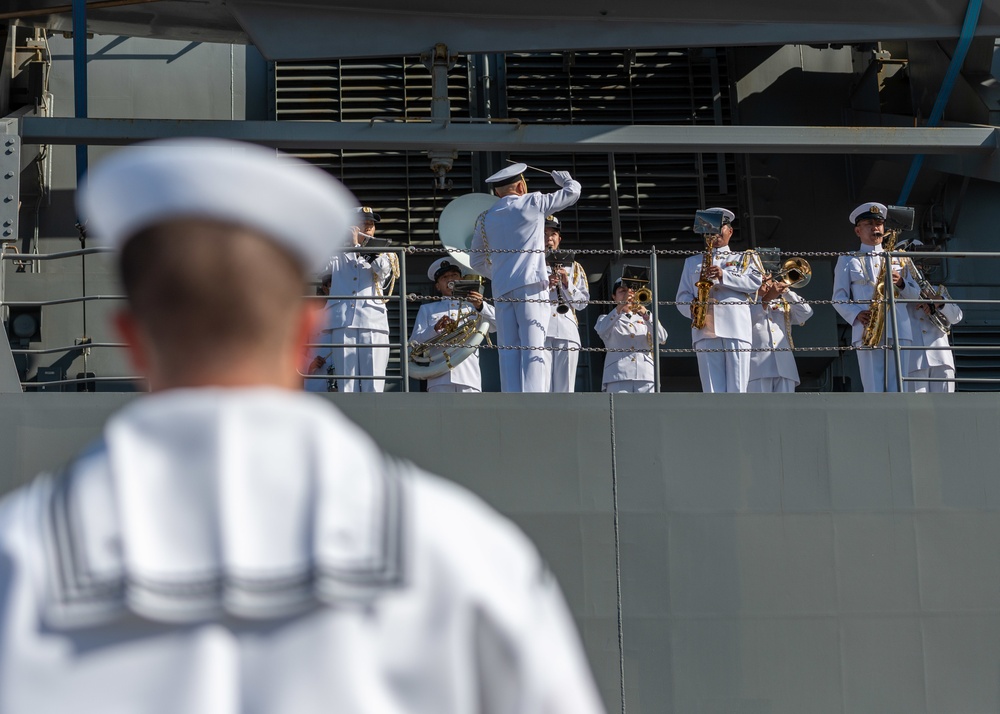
[(533, 168)]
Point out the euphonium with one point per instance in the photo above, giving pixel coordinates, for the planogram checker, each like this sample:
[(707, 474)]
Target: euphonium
[(699, 310), (875, 329)]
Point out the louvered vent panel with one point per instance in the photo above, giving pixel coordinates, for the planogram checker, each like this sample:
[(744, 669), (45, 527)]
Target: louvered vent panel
[(399, 185), (657, 193)]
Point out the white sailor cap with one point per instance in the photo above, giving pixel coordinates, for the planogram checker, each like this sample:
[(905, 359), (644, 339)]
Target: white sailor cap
[(299, 206), (727, 215), (441, 266), (876, 211), (507, 175)]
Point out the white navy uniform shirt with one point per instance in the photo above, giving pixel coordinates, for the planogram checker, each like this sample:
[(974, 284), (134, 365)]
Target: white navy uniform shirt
[(252, 550), (351, 275), (854, 278), (627, 330), (518, 223), (741, 277), (927, 334), (577, 296), (466, 373), (769, 333)]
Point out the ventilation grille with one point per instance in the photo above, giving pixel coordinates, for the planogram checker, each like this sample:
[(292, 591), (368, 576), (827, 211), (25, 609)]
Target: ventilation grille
[(657, 194), (398, 184)]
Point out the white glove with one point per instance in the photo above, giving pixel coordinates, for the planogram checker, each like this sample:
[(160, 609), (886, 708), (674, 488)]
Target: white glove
[(561, 178)]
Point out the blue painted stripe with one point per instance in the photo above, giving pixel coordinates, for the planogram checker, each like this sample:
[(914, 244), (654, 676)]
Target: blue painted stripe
[(950, 77)]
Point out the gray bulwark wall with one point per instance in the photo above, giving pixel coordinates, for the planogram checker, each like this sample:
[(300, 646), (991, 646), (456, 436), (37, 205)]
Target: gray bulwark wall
[(778, 553)]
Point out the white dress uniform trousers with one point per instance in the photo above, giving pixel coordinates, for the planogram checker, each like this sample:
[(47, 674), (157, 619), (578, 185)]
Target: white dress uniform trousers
[(520, 280), (771, 369), (563, 333), (728, 325), (361, 322), (632, 370), (937, 361), (854, 279), (225, 551), (466, 376)]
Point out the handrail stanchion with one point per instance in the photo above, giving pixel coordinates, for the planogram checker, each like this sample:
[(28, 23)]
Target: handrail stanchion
[(655, 305), (404, 329), (890, 296)]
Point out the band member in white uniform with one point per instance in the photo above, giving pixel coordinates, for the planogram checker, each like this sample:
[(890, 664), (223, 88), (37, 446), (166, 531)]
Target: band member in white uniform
[(628, 327), (937, 361), (360, 322), (774, 313), (516, 223), (434, 318), (567, 286), (854, 279), (232, 544), (736, 277)]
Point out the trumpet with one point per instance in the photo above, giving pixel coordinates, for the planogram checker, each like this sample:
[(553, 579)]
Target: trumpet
[(643, 296)]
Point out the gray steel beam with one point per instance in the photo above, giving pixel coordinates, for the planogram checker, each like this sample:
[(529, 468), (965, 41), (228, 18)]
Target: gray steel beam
[(525, 138)]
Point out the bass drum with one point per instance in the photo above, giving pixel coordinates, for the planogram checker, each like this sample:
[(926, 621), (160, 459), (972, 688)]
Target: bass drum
[(457, 224), (446, 351)]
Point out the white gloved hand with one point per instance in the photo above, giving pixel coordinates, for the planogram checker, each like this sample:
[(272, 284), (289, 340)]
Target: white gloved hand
[(561, 178)]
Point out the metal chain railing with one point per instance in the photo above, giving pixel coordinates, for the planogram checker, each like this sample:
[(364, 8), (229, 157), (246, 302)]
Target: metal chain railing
[(401, 347)]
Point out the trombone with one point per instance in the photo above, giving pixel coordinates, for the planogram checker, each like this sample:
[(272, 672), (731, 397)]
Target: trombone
[(794, 272)]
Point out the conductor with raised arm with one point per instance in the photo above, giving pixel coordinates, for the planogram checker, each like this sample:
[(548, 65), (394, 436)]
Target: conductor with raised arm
[(508, 245)]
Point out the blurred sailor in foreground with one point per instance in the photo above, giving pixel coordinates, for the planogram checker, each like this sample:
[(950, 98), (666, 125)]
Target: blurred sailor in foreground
[(515, 226), (568, 294), (854, 280), (930, 325), (777, 309), (362, 321), (233, 544), (441, 316), (723, 342)]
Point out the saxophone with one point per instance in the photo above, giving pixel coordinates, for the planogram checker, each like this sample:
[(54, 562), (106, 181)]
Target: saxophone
[(875, 329), (699, 309)]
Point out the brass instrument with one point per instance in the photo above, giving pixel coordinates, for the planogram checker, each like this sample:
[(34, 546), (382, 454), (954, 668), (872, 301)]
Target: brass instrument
[(794, 272), (458, 340), (371, 245), (875, 329), (643, 296), (457, 225), (932, 296), (699, 309), (470, 283), (557, 259)]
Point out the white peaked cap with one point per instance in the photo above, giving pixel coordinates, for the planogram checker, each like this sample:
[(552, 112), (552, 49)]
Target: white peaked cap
[(508, 174), (299, 206), (442, 264), (726, 213), (868, 210)]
